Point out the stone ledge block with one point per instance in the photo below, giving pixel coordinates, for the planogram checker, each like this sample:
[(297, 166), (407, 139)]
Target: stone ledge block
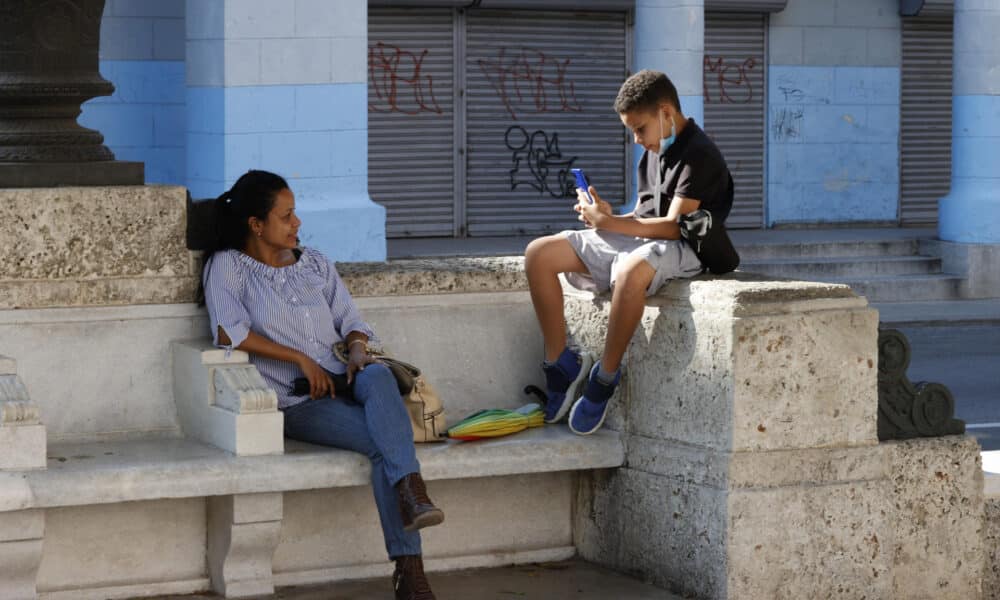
[(78, 246), (743, 363), (937, 506)]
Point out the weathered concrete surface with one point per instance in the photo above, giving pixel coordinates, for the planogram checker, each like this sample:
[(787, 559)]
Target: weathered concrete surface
[(435, 276), (94, 246), (991, 541), (938, 516), (743, 363), (753, 469)]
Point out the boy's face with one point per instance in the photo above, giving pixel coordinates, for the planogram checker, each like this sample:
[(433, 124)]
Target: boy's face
[(647, 125)]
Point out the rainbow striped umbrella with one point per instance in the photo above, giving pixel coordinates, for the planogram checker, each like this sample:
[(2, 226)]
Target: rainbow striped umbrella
[(496, 422)]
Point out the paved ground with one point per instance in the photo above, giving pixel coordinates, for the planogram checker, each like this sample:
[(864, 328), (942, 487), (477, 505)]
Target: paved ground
[(573, 580)]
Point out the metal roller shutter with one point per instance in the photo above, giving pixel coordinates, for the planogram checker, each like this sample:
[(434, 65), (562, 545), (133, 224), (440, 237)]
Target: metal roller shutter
[(540, 93), (735, 88), (925, 115), (411, 159)]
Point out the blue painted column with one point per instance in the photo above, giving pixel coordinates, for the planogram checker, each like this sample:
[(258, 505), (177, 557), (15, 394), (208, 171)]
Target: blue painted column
[(971, 212), (281, 85), (670, 37)]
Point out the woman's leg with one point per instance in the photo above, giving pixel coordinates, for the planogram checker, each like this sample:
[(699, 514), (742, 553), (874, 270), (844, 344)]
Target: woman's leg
[(387, 421), (343, 424)]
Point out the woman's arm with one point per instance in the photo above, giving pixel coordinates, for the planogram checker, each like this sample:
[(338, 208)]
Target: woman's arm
[(320, 383)]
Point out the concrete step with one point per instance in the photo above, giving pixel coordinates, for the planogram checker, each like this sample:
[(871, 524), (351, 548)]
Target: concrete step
[(904, 288), (939, 313), (788, 249), (853, 266)]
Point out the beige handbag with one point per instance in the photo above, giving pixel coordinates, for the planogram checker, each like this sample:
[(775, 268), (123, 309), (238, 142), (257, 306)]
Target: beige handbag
[(421, 399)]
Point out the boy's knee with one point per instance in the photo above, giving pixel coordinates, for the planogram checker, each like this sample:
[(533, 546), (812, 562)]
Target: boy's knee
[(536, 250), (635, 275)]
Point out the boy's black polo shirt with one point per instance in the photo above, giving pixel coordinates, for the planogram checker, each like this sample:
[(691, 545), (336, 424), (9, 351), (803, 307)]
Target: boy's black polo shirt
[(693, 168)]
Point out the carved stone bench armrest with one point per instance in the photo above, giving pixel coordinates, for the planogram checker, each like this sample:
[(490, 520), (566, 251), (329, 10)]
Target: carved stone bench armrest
[(22, 434), (223, 400)]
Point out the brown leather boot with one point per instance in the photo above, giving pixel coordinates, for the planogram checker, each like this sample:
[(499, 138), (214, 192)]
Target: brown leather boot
[(409, 580), (417, 509)]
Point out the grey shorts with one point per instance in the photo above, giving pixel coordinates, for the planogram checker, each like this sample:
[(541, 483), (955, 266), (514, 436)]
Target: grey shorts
[(603, 253)]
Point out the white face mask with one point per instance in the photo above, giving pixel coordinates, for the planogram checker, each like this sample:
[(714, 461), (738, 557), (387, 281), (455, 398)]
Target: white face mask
[(665, 141)]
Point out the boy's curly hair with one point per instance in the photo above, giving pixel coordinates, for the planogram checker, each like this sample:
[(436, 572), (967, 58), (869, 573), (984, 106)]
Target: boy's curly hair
[(646, 90)]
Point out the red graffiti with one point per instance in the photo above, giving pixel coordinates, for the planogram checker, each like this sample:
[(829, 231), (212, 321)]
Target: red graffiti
[(530, 81), (398, 83), (736, 83)]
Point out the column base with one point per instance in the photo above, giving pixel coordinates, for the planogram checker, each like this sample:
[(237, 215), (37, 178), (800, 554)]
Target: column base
[(110, 172)]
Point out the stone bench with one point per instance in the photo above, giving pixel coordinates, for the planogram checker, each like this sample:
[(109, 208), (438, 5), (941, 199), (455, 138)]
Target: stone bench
[(165, 469), (744, 428)]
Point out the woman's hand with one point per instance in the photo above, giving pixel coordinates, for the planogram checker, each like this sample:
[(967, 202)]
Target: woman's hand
[(591, 214), (357, 360), (320, 383)]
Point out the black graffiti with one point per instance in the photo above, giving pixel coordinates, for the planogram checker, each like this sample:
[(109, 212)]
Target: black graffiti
[(542, 158), (787, 123)]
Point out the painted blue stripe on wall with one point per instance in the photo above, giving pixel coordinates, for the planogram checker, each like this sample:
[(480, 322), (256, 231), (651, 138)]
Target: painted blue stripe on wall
[(145, 119)]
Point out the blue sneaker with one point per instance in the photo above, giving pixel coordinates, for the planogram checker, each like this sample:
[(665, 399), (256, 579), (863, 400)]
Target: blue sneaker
[(589, 411), (562, 382)]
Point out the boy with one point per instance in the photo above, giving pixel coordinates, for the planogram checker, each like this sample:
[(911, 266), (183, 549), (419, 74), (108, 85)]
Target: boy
[(634, 254)]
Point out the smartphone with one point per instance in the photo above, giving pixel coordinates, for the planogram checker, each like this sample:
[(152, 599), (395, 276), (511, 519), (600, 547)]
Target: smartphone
[(582, 182)]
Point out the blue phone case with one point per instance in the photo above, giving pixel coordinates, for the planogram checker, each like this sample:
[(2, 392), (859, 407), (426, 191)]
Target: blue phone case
[(582, 182)]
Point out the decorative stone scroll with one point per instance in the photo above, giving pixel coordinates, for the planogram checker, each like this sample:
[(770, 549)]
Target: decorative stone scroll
[(241, 389), (907, 410), (22, 435)]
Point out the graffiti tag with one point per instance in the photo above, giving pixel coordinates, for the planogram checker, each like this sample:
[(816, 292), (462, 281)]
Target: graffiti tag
[(734, 85), (398, 82), (530, 81), (536, 157)]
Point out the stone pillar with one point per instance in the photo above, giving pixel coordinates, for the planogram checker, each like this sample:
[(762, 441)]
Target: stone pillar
[(753, 468), (969, 216), (670, 37), (48, 68), (971, 212), (281, 85), (243, 532)]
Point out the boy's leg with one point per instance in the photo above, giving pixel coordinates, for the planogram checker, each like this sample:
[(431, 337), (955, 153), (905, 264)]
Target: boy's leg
[(627, 303), (565, 370), (544, 259)]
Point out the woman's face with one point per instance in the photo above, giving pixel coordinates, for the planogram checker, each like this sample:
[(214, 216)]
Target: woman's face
[(281, 229)]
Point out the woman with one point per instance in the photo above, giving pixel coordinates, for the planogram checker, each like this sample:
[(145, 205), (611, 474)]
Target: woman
[(287, 307)]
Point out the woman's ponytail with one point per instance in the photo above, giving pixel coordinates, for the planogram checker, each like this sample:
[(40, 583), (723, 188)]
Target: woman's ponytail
[(252, 195)]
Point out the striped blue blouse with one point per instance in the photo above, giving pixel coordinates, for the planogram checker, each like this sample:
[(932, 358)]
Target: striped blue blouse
[(304, 306)]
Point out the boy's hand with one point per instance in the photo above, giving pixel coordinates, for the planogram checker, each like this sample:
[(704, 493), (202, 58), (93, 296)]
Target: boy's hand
[(591, 214)]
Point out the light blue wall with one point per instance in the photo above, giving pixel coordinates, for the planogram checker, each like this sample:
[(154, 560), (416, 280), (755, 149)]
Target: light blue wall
[(833, 112), (833, 144), (281, 85), (145, 118), (142, 54)]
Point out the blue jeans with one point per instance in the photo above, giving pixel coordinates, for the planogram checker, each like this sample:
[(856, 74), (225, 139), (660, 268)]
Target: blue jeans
[(376, 424)]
